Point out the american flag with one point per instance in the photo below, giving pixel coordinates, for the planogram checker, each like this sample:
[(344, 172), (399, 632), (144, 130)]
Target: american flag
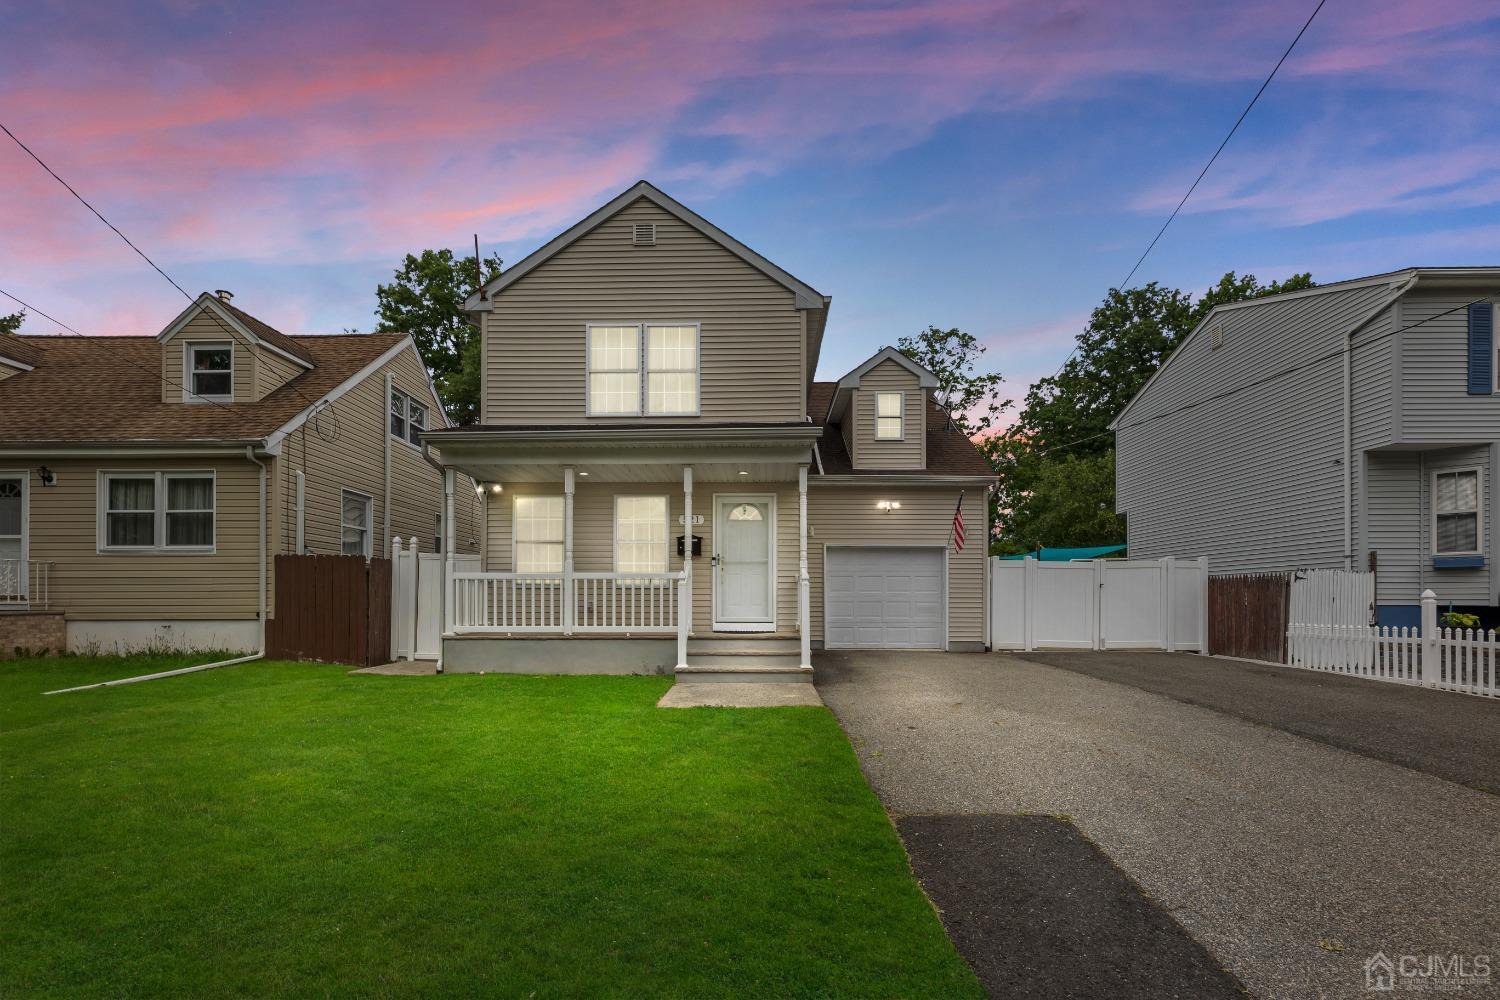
[(958, 525)]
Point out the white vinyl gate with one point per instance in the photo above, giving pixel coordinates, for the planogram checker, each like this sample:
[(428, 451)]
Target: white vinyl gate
[(417, 600), (1099, 604)]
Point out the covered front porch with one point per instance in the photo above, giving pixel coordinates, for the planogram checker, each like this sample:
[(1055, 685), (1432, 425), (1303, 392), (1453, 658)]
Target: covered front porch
[(681, 550)]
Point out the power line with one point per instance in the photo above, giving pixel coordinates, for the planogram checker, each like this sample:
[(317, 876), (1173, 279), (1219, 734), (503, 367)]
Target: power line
[(139, 252), (1202, 173), (1282, 373), (116, 354)]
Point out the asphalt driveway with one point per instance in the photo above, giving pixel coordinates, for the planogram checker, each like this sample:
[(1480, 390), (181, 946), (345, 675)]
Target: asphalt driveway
[(1290, 860)]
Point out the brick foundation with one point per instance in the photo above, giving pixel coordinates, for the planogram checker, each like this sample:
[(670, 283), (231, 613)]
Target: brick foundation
[(32, 631)]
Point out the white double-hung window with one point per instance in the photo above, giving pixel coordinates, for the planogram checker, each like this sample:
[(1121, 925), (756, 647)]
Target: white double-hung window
[(408, 418), (641, 534), (156, 512), (356, 514), (210, 372), (643, 368), (614, 371), (538, 532), (1455, 512), (888, 416)]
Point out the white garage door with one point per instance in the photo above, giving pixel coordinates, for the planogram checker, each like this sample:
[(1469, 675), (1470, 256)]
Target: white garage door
[(883, 598)]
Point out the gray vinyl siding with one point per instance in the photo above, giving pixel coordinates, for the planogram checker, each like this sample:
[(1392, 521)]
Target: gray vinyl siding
[(1371, 371), (751, 332), (1436, 407), (1251, 480), (871, 453), (1393, 525)]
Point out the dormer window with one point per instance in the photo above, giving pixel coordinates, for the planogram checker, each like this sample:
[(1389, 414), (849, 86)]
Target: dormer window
[(210, 372), (888, 416)]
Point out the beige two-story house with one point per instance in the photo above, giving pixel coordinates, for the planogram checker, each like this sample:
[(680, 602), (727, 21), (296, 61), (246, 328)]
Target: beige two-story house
[(147, 483), (668, 489)]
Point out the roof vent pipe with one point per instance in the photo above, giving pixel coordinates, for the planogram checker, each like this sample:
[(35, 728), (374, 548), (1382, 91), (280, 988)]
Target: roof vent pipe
[(224, 294)]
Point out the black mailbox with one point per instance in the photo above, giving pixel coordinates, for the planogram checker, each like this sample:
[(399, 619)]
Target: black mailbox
[(697, 544)]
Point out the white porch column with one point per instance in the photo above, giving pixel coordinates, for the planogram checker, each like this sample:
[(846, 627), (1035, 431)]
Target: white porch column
[(685, 612), (804, 581), (568, 601)]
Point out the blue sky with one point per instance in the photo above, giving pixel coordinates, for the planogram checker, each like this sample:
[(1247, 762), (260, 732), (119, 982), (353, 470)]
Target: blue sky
[(993, 166)]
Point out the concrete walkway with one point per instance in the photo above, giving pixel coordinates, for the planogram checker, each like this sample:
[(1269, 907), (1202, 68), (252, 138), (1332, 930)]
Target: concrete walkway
[(731, 694), (1291, 861), (402, 668)]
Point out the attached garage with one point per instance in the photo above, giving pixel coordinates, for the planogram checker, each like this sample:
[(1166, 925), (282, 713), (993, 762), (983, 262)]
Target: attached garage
[(885, 597)]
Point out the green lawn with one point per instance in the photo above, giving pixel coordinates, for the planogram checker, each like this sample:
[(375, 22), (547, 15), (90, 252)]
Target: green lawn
[(278, 828)]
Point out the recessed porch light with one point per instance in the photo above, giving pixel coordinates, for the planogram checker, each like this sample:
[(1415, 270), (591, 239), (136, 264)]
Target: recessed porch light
[(496, 488), (742, 472), (583, 473)]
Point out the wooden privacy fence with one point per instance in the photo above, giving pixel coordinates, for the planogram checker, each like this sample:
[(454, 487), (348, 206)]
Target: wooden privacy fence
[(332, 608), (1248, 615)]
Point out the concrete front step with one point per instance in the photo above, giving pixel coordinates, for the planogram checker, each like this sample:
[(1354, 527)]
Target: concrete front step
[(744, 658), (759, 643), (745, 674)]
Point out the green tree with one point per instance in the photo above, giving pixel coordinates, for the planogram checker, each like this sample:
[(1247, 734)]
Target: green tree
[(1067, 417), (425, 299), (971, 397), (12, 323)]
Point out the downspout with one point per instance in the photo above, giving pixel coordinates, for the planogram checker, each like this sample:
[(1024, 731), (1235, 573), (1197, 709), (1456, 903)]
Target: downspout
[(262, 611), (386, 520), (1348, 459)]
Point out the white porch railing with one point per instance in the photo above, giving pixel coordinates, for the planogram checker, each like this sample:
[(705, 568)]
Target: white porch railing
[(25, 583), (1463, 660), (607, 603)]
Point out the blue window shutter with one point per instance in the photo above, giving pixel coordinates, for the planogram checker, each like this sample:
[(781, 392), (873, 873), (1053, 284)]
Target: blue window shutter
[(1481, 349)]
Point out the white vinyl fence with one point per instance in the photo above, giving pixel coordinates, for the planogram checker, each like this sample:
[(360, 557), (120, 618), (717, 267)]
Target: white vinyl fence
[(1099, 604), (417, 599), (1462, 660), (1333, 597)]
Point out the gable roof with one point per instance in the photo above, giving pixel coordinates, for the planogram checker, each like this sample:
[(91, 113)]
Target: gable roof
[(807, 296), (74, 397), (255, 330), (14, 350), (949, 450), (842, 388)]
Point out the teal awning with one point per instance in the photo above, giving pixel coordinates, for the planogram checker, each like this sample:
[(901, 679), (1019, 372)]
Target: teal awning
[(1068, 555)]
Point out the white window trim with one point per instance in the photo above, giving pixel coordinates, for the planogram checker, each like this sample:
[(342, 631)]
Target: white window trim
[(405, 416), (697, 371), (369, 528), (1478, 509), (666, 566), (900, 415), (159, 520), (641, 372), (515, 517), (188, 348)]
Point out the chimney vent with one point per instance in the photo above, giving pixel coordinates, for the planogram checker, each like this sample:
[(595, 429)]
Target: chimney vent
[(224, 294)]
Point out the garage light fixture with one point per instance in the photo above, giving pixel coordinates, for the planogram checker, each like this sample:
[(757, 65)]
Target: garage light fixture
[(888, 505)]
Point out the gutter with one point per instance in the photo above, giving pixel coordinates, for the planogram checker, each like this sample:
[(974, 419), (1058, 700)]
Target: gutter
[(635, 435)]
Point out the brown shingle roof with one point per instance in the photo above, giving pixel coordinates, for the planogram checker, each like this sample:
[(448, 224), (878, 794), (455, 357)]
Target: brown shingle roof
[(949, 451), (108, 389), (269, 333), (17, 349)]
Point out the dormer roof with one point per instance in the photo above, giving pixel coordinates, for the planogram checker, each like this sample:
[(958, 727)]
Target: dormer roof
[(839, 400), (256, 331)]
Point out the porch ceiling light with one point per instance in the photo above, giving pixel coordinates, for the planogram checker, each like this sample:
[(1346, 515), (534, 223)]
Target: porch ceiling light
[(496, 488), (888, 505), (742, 472), (583, 473)]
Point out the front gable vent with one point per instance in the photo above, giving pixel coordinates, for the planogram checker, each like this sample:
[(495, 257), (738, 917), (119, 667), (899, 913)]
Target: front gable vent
[(1216, 337), (643, 234)]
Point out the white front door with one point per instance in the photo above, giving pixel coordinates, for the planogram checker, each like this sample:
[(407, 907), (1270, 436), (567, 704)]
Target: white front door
[(745, 563), (12, 537)]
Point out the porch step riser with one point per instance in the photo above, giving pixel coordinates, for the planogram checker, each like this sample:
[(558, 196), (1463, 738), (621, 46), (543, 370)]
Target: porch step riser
[(785, 647), (732, 661), (762, 675)]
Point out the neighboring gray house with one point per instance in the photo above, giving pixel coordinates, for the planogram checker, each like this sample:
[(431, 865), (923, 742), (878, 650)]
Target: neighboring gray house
[(1317, 428)]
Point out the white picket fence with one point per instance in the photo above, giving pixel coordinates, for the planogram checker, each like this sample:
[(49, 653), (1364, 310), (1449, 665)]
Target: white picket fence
[(1099, 604), (1462, 660)]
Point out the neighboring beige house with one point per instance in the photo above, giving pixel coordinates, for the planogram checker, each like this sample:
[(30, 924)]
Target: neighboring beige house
[(147, 483), (649, 379)]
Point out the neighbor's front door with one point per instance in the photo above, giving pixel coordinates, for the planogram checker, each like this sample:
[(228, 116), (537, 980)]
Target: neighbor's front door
[(12, 538), (744, 574)]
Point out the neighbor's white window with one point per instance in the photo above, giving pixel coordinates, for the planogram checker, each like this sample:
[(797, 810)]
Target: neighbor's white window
[(671, 370), (538, 531), (1455, 511), (888, 416), (211, 371), (614, 355), (640, 534), (190, 511), (408, 418), (356, 515), (157, 511)]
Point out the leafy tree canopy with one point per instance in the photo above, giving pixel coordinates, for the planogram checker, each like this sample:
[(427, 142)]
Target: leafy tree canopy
[(425, 300), (971, 396), (11, 323)]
